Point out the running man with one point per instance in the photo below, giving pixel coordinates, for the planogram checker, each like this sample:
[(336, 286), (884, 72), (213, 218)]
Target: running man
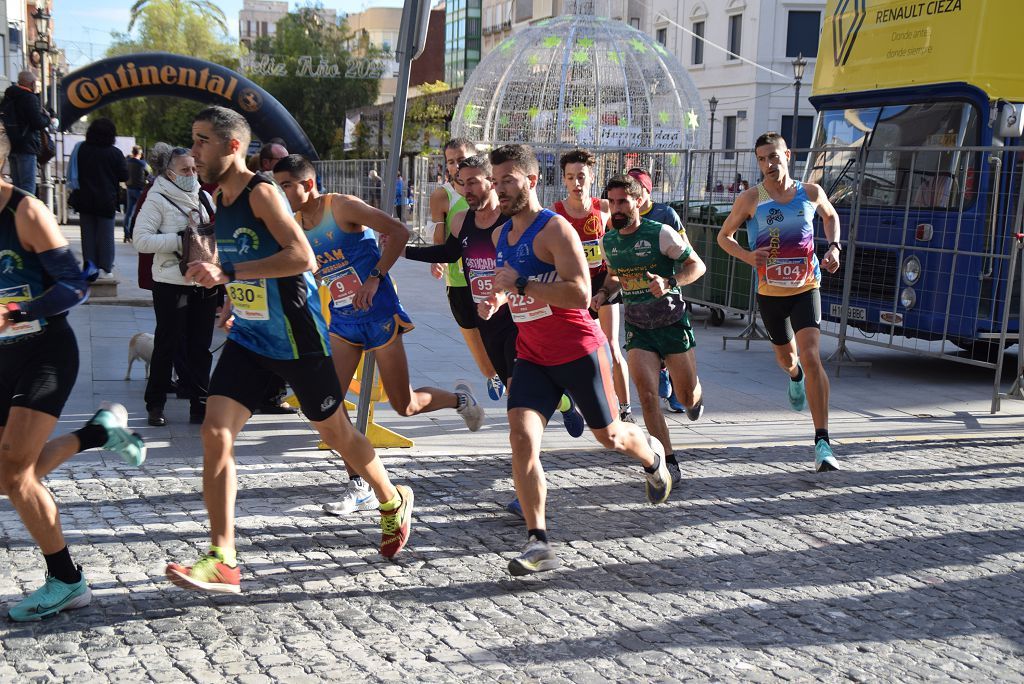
[(365, 313), (39, 282), (589, 216), (445, 203), (779, 217), (648, 262), (662, 213), (278, 329), (540, 263)]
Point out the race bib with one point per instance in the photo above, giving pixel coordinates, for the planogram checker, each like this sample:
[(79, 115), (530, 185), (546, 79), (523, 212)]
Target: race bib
[(249, 299), (17, 294), (481, 284), (525, 308), (787, 272), (592, 250), (343, 287)]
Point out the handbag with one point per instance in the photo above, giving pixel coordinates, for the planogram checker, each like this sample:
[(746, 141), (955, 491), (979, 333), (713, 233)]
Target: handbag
[(199, 239)]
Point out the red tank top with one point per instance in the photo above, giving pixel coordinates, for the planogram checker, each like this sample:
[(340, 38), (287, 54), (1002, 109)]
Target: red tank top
[(590, 229)]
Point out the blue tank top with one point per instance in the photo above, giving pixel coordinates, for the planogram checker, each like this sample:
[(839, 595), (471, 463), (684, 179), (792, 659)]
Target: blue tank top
[(279, 318), (344, 261), (22, 276), (788, 229)]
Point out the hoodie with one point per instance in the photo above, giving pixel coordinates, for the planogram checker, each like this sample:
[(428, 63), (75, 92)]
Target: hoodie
[(28, 119)]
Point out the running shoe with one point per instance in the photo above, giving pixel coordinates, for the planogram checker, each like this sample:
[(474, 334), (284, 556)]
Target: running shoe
[(658, 483), (627, 417), (358, 497), (797, 395), (672, 404), (664, 386), (673, 470), (51, 598), (515, 508), (824, 458), (396, 524), (572, 419), (695, 412), (538, 556), (471, 412), (210, 574), (129, 446), (495, 388)]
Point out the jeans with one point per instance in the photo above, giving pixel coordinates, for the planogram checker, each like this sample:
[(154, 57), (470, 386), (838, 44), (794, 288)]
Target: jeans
[(184, 320), (131, 197), (23, 172), (98, 240)]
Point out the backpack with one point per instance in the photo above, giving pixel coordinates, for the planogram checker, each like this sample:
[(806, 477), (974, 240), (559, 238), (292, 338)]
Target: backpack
[(9, 118)]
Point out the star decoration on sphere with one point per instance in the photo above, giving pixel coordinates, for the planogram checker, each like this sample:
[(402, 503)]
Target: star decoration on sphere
[(579, 116), (673, 159), (507, 45), (533, 59), (552, 42), (613, 57), (533, 112), (638, 45), (585, 42), (661, 50), (691, 119), (664, 118), (469, 114), (503, 120), (580, 56)]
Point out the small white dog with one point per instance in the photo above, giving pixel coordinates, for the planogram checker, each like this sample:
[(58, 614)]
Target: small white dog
[(139, 347)]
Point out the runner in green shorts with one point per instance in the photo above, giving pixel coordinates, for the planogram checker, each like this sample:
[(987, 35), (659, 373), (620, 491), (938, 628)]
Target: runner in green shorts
[(648, 262)]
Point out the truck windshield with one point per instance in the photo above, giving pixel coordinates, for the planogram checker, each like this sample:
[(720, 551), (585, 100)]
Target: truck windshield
[(913, 153)]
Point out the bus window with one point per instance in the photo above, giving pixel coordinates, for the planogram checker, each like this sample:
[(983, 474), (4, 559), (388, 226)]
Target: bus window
[(932, 175)]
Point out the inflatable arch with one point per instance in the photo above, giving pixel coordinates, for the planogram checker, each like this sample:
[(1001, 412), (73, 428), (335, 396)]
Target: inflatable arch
[(162, 73)]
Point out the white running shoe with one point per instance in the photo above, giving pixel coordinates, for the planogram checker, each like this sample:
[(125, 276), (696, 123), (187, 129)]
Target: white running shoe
[(471, 412), (358, 497)]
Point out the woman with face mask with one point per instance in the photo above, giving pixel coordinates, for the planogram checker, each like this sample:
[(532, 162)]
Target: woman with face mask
[(185, 312)]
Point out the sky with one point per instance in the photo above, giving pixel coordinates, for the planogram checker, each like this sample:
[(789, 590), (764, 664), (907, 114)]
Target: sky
[(83, 29)]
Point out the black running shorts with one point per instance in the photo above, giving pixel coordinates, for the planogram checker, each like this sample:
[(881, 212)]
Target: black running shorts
[(38, 373), (463, 307), (588, 380), (783, 316), (245, 376)]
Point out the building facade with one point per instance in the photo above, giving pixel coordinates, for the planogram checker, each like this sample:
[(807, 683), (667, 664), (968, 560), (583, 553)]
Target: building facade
[(462, 40), (259, 18)]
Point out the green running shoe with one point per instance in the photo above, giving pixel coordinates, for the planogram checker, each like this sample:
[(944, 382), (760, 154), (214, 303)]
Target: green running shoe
[(797, 395), (129, 446), (824, 458), (51, 598)]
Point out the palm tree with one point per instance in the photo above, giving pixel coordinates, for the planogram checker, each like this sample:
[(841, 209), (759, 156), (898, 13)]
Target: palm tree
[(206, 8)]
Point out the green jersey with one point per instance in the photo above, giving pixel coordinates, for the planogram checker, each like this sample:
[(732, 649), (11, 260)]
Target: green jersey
[(653, 248)]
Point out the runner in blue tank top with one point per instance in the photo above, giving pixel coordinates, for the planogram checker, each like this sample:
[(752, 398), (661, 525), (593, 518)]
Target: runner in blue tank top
[(40, 280), (779, 217), (265, 262), (365, 313)]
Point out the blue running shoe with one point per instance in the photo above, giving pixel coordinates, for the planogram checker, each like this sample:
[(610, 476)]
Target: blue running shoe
[(797, 395), (515, 508), (673, 404), (573, 420), (51, 598), (664, 387), (495, 388), (824, 458)]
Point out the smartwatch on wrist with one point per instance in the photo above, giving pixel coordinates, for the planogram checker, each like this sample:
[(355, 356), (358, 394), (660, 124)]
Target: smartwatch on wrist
[(521, 283), (229, 270), (839, 247), (15, 314), (672, 282), (375, 273)]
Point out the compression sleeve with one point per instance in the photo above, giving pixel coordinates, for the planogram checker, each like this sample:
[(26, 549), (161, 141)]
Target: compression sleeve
[(447, 253), (70, 290)]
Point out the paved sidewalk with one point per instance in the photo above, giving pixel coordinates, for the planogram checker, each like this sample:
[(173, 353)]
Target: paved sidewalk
[(905, 566)]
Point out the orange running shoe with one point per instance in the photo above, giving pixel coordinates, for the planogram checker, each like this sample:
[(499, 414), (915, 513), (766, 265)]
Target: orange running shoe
[(209, 573), (395, 524)]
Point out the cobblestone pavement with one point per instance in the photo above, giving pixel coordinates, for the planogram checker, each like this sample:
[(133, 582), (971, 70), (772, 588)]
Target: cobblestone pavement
[(905, 566)]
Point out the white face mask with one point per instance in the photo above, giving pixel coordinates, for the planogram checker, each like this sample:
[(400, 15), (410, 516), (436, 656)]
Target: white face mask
[(189, 184)]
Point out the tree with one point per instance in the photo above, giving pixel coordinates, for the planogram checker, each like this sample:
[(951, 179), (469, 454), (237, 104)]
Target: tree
[(207, 9), (302, 43), (167, 26)]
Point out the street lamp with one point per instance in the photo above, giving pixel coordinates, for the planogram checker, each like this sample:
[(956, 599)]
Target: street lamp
[(42, 47), (798, 73), (712, 105)]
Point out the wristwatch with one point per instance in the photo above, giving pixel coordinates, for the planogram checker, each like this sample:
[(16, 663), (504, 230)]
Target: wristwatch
[(375, 273), (839, 247), (672, 282), (521, 283), (15, 314), (229, 270)]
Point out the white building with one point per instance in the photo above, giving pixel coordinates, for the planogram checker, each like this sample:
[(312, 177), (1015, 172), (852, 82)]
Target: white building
[(259, 18), (769, 33)]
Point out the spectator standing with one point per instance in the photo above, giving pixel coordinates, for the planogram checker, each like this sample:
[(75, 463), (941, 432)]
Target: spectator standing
[(399, 196), (24, 118), (138, 174), (101, 170)]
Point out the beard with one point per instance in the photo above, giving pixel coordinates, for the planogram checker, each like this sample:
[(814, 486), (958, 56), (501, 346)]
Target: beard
[(620, 221), (518, 203)]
